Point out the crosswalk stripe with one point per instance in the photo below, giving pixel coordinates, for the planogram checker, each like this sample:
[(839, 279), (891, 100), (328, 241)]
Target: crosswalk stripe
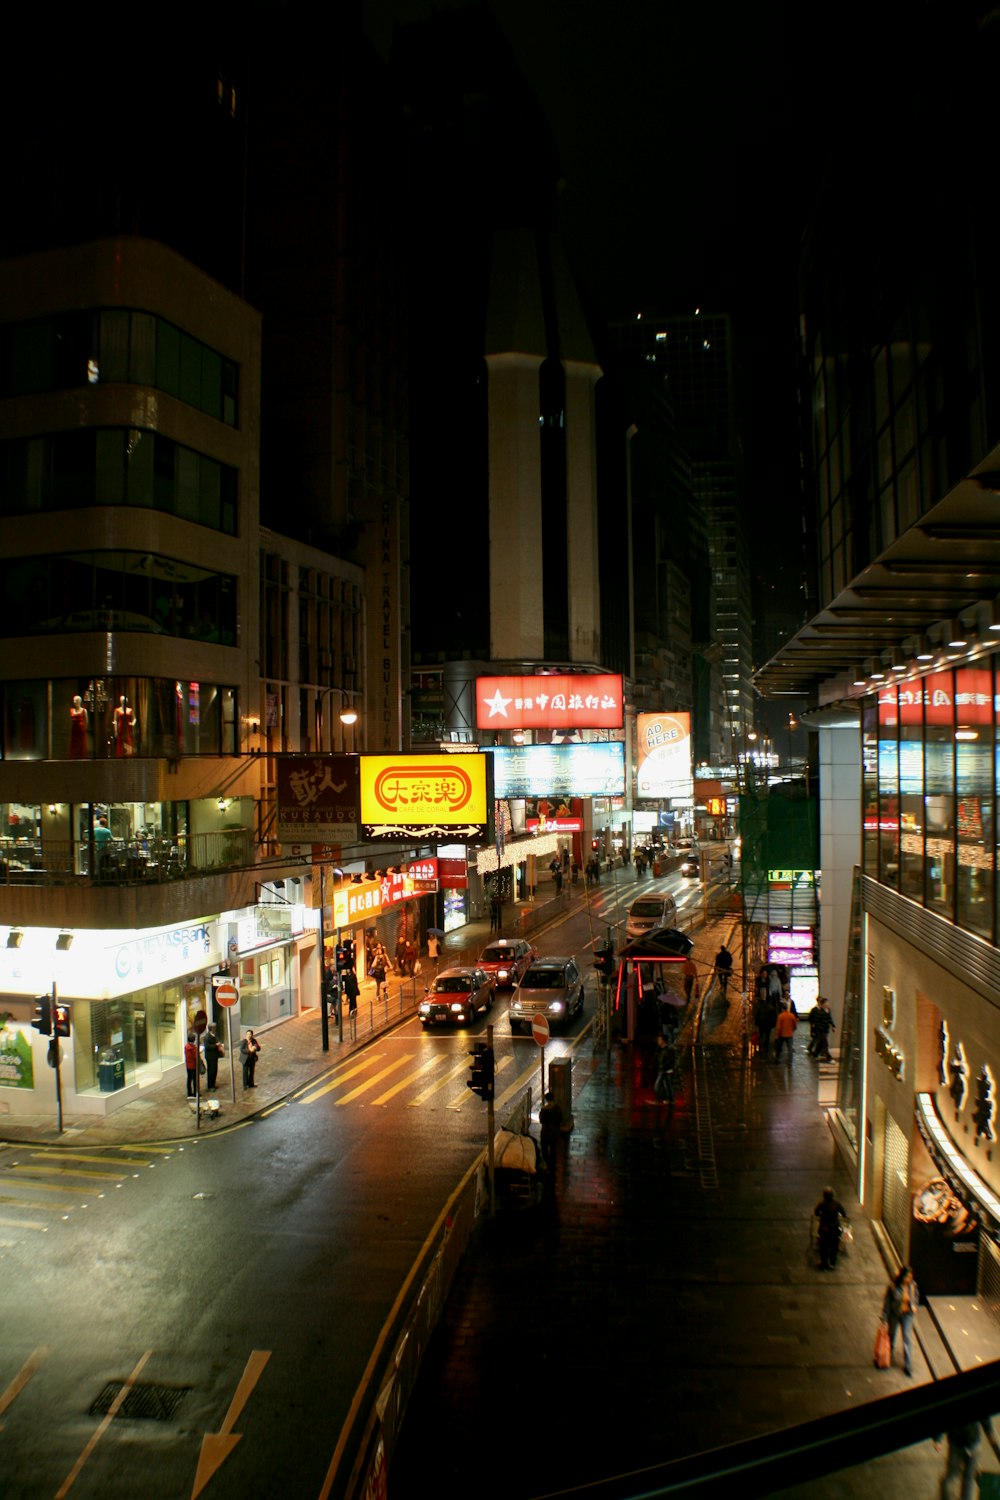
[(112, 1161), (403, 1083), (24, 1166), (23, 1224), (370, 1083), (148, 1150), (41, 1187), (368, 1061), (440, 1084), (47, 1207)]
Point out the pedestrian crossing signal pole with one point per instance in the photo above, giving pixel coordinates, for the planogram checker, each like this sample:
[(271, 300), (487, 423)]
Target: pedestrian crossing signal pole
[(481, 1083)]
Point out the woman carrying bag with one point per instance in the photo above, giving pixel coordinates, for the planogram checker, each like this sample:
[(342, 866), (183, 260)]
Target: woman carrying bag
[(899, 1307)]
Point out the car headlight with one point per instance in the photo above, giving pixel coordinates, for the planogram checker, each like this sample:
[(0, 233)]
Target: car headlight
[(501, 973), (425, 1006), (458, 1005), (557, 1007)]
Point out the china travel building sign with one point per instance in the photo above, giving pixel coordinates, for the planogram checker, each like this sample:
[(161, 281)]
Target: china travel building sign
[(565, 701)]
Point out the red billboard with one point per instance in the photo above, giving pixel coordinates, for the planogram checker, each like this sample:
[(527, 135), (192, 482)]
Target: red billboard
[(551, 701)]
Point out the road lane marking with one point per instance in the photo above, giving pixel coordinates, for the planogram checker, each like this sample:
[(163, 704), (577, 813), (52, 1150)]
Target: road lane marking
[(405, 1082), (113, 1411), (151, 1150), (368, 1061), (41, 1187), (33, 1362), (217, 1446), (46, 1205), (370, 1083), (112, 1161)]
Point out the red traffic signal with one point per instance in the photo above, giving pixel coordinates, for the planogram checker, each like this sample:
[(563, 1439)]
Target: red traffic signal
[(62, 1020)]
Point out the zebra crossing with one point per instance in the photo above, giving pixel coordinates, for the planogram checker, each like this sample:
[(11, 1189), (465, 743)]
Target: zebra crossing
[(377, 1078), (41, 1187)]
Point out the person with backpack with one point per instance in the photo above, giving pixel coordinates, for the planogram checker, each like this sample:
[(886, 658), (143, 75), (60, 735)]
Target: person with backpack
[(723, 968)]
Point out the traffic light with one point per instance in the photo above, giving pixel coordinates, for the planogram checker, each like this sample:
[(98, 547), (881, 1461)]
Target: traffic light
[(481, 1082), (349, 953), (604, 961), (62, 1020), (42, 1020), (341, 956)]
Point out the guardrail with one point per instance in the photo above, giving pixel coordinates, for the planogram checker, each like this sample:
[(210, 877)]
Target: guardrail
[(148, 861)]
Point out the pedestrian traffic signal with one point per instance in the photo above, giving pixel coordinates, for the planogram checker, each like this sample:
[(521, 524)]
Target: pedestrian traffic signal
[(62, 1020), (482, 1066), (604, 961), (349, 953), (42, 1020), (341, 956)]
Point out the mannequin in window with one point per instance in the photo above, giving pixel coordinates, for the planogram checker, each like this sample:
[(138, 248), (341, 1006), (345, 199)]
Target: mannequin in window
[(78, 723), (124, 728)]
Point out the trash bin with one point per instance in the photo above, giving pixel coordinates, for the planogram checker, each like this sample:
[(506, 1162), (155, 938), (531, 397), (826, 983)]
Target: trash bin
[(656, 867), (560, 1081), (111, 1075)]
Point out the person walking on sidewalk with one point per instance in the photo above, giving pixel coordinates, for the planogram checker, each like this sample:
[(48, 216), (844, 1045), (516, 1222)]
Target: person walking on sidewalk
[(963, 1458), (723, 968), (828, 1214), (351, 989), (899, 1308), (191, 1064), (378, 973), (690, 972), (666, 1061), (764, 1016), (820, 1025), (784, 1029)]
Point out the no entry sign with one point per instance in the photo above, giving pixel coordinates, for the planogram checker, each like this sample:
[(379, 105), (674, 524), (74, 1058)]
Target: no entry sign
[(540, 1029), (227, 994)]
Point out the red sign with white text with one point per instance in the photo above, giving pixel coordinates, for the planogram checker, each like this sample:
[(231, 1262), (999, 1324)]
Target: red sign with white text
[(557, 701), (964, 696)]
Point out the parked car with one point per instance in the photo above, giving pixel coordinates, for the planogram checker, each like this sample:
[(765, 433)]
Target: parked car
[(506, 960), (551, 987), (647, 913), (456, 995)]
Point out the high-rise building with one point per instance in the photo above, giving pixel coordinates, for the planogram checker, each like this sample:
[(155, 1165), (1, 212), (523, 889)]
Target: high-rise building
[(900, 659)]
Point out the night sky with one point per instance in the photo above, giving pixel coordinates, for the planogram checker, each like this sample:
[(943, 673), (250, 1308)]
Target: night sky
[(690, 136)]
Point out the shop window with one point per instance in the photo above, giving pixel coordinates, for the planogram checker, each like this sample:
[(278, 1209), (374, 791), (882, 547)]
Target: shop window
[(939, 800)]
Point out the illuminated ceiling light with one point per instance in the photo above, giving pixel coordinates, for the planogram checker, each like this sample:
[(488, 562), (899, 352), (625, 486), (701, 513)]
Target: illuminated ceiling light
[(873, 670), (925, 651), (859, 680), (954, 636), (223, 804), (897, 661), (349, 716), (994, 616), (966, 734)]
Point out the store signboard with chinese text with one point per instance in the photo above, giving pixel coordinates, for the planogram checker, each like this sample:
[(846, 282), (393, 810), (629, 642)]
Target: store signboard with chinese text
[(420, 795), (790, 945), (556, 773), (318, 798), (564, 702), (663, 767), (361, 901)]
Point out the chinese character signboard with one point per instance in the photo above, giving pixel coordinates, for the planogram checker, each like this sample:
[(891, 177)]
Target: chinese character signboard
[(361, 901), (318, 798), (664, 760), (556, 772), (570, 701), (406, 796)]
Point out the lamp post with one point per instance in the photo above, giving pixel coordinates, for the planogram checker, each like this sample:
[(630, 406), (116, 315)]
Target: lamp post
[(348, 715)]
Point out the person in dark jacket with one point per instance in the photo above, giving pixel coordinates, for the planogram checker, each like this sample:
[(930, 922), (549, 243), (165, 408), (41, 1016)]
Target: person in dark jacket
[(820, 1025), (723, 968), (828, 1213), (550, 1118), (963, 1455), (213, 1051)]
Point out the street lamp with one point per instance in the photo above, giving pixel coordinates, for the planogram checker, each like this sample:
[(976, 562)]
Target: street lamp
[(348, 713)]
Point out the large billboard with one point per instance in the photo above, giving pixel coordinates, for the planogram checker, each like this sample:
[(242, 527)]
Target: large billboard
[(565, 702), (554, 771), (663, 767), (418, 796), (318, 798)]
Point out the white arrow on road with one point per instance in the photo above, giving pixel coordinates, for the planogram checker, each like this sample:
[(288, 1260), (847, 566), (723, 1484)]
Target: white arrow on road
[(217, 1446)]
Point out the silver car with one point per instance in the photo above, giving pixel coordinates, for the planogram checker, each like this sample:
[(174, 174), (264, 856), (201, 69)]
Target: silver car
[(551, 987)]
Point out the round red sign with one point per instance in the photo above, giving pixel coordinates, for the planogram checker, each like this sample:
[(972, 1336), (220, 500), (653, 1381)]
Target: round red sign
[(226, 995), (200, 1022), (540, 1029)]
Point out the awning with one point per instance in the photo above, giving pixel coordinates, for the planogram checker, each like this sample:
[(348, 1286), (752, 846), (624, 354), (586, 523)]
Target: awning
[(944, 566)]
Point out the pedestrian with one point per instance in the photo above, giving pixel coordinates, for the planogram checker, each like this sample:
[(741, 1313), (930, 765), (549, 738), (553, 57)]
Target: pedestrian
[(329, 989), (409, 957), (378, 971), (828, 1214), (213, 1051), (899, 1307), (576, 872), (774, 986), (191, 1064), (249, 1048), (764, 1016), (401, 954), (351, 990), (666, 1061), (550, 1118), (433, 946), (691, 985), (723, 968), (494, 914), (784, 1030), (963, 1454), (821, 1024)]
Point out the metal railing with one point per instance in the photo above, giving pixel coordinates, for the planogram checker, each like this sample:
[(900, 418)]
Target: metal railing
[(126, 862)]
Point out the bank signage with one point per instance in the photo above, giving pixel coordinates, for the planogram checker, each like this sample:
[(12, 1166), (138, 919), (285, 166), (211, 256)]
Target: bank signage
[(155, 956)]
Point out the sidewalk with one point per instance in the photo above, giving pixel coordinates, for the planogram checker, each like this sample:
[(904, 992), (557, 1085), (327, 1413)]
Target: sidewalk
[(663, 1300)]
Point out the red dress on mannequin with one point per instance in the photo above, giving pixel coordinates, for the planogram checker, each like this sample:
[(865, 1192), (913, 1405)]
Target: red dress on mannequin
[(77, 731), (124, 725)]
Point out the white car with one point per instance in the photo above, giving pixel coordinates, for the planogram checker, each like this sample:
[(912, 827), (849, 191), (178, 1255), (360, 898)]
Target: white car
[(650, 914)]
